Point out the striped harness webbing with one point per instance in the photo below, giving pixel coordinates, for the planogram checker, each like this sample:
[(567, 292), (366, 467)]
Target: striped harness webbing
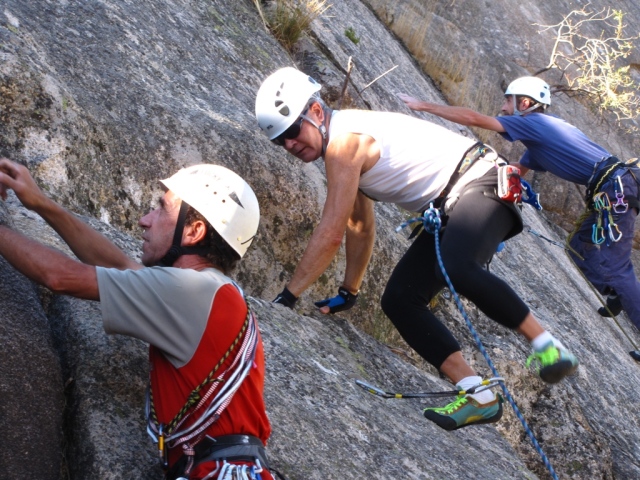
[(226, 383)]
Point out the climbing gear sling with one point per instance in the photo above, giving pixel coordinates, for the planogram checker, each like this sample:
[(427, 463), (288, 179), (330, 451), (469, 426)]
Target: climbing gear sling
[(220, 388)]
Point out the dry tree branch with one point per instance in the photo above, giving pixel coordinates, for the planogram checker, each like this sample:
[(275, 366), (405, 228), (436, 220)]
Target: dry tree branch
[(346, 82), (377, 78), (594, 67)]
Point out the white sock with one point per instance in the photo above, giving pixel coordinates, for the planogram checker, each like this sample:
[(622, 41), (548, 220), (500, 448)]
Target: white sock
[(485, 396), (541, 340)]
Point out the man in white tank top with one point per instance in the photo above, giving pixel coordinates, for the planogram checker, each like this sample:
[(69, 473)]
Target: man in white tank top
[(400, 159)]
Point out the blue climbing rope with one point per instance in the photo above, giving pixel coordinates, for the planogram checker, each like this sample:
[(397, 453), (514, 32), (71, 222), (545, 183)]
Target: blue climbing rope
[(432, 222)]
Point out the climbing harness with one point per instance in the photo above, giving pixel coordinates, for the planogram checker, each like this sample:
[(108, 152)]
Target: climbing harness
[(602, 170), (484, 385), (220, 388), (432, 222), (475, 152), (225, 449)]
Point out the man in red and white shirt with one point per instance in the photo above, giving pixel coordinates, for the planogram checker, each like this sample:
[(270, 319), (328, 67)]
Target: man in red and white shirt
[(205, 408)]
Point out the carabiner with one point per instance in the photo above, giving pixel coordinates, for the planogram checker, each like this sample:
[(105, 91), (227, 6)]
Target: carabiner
[(162, 448), (597, 235), (620, 206), (601, 201), (612, 236), (617, 186)]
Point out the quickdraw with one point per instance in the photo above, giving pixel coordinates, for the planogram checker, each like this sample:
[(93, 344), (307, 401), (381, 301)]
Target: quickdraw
[(484, 385), (605, 228)]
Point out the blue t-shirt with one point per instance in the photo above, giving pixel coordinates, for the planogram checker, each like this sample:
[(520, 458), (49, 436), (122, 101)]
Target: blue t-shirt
[(553, 146)]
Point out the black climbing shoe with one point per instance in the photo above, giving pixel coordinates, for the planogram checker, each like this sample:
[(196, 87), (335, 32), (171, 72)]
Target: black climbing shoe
[(615, 306)]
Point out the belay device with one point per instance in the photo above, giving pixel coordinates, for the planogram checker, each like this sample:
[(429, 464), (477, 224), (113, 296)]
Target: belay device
[(513, 188), (509, 186)]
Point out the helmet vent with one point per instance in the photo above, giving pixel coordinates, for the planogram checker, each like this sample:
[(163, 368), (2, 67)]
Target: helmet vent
[(235, 198), (284, 110)]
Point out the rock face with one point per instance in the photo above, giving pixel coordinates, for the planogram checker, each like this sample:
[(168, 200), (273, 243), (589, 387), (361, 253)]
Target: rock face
[(100, 99), (31, 389)]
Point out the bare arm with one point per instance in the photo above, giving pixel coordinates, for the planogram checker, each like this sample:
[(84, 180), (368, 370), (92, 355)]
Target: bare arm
[(47, 266), (344, 161), (361, 235), (460, 115), (87, 244)]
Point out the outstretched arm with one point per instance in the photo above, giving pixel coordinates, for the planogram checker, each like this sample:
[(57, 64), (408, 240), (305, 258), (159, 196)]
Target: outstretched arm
[(344, 161), (87, 244), (47, 266), (460, 115)]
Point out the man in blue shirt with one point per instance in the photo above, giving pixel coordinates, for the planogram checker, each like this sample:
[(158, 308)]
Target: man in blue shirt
[(605, 237)]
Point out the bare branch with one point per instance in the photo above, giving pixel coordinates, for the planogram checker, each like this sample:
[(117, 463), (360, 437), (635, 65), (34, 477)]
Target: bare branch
[(595, 68), (346, 82), (377, 78)]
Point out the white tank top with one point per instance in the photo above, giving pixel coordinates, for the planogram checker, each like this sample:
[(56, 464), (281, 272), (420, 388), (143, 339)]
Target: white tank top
[(417, 158)]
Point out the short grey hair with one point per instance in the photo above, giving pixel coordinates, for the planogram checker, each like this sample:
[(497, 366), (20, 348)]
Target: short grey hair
[(315, 98)]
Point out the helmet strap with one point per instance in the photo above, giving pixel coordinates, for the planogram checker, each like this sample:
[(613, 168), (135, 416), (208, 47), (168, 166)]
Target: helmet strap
[(176, 250), (321, 128), (519, 113)]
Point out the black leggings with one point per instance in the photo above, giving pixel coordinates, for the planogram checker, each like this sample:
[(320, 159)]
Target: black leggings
[(475, 228)]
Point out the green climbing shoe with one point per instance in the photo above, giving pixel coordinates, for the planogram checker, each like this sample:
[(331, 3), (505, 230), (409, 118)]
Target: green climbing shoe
[(465, 411), (553, 364)]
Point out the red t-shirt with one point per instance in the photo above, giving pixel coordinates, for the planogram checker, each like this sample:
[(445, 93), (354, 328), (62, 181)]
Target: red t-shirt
[(190, 319)]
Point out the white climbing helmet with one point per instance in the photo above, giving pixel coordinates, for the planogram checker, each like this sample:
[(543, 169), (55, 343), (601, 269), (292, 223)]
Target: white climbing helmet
[(532, 87), (281, 99), (223, 198)]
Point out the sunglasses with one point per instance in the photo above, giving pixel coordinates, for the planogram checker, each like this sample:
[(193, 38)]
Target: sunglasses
[(290, 133)]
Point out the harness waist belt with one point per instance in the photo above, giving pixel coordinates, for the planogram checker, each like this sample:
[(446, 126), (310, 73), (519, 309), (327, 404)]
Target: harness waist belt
[(239, 448), (605, 170), (231, 447), (476, 151)]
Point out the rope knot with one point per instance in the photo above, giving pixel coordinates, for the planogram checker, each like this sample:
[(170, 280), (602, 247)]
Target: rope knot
[(431, 219)]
